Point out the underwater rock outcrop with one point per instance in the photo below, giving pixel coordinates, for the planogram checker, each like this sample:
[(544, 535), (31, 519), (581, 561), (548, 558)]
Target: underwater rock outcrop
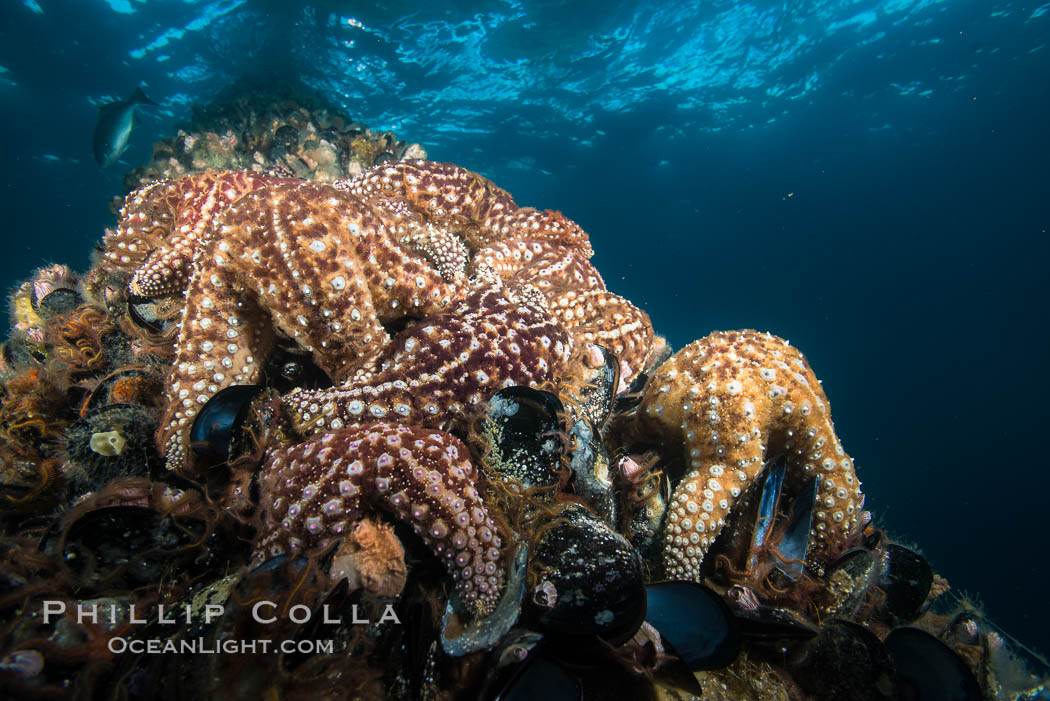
[(398, 421), (278, 129)]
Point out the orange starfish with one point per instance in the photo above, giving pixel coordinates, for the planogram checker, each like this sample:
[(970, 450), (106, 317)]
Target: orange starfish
[(731, 402)]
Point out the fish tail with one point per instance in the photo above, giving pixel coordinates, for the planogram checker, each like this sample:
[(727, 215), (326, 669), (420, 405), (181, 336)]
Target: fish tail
[(140, 97)]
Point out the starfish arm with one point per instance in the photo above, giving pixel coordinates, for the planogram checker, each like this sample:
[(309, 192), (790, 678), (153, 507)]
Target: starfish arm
[(442, 365), (698, 510), (443, 193), (467, 203), (330, 268), (542, 263), (162, 224), (313, 492), (224, 338), (547, 225), (299, 249), (577, 297), (599, 316)]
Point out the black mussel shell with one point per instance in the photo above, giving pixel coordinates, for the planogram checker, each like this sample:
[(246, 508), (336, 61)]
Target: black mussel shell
[(695, 622), (599, 388), (143, 313), (25, 664), (277, 152), (873, 537), (591, 583), (134, 675), (287, 136), (275, 563), (855, 562), (108, 443), (56, 302), (522, 427), (8, 358), (927, 669), (330, 135), (674, 674), (794, 544), (384, 157), (644, 515), (628, 401), (906, 578), (419, 654), (861, 568), (633, 396), (965, 628), (546, 674), (590, 465), (284, 580), (540, 676), (333, 618), (605, 679), (846, 661), (22, 484), (102, 394), (215, 434), (130, 546), (774, 624), (287, 370)]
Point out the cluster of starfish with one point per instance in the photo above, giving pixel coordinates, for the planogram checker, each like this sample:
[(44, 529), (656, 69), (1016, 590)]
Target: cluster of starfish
[(493, 295), (487, 295)]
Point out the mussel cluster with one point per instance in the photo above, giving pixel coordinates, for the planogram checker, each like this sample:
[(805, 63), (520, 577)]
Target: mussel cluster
[(285, 130), (119, 579), (598, 620)]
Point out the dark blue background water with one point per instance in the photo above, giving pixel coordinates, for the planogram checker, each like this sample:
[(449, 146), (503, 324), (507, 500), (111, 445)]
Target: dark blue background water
[(868, 179)]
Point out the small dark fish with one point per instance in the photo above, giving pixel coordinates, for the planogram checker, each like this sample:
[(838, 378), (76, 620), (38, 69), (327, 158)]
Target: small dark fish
[(115, 121)]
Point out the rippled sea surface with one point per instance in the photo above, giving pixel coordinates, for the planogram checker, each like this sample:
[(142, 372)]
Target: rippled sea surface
[(868, 179)]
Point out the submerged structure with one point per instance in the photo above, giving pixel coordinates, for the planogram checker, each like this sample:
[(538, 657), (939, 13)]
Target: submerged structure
[(328, 419)]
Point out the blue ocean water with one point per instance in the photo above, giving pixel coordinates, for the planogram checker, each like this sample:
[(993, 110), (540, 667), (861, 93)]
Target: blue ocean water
[(868, 179)]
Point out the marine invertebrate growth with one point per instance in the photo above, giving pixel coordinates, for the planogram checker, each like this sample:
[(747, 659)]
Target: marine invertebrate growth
[(371, 557), (276, 129)]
